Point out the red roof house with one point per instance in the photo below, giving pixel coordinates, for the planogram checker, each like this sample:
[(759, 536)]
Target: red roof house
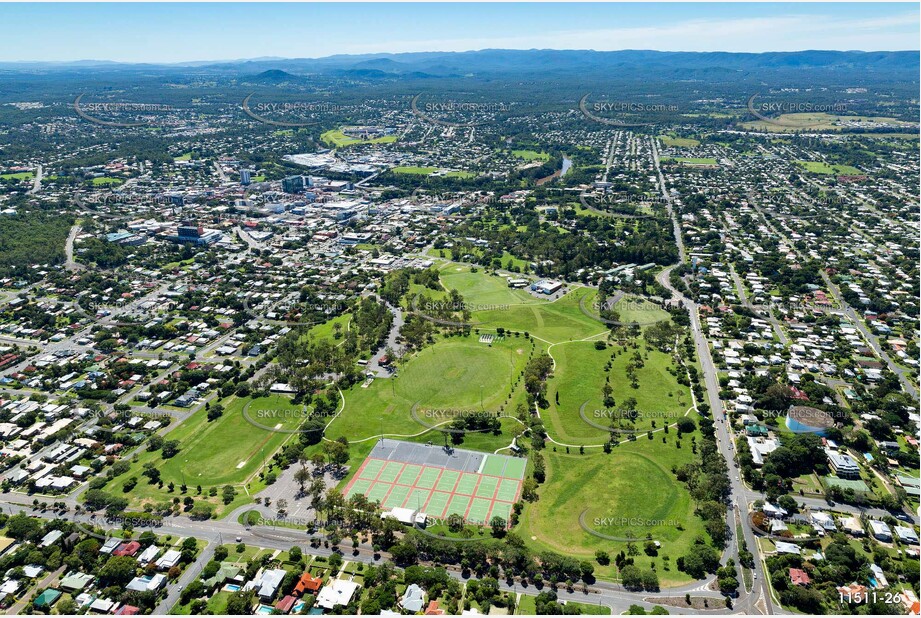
[(308, 583), (798, 577)]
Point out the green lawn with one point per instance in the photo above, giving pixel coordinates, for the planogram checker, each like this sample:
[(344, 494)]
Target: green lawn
[(225, 451), (421, 171), (339, 139), (580, 376), (105, 181), (451, 375), (18, 176), (629, 492), (531, 155), (818, 167), (508, 261), (561, 320), (679, 142)]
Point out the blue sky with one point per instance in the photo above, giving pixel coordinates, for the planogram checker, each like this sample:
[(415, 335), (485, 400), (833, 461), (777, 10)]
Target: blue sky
[(219, 31)]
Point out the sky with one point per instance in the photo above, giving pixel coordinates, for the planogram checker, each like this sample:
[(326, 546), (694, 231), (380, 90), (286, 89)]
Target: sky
[(171, 32)]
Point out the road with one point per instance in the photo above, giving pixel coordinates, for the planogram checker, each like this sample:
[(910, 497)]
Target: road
[(37, 181), (46, 581), (374, 365), (220, 172), (668, 201), (758, 601), (70, 264), (227, 531), (249, 240)]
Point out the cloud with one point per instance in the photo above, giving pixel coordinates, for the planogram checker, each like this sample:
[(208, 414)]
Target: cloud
[(758, 34)]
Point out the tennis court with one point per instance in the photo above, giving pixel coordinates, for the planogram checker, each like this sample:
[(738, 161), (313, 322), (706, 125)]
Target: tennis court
[(440, 482)]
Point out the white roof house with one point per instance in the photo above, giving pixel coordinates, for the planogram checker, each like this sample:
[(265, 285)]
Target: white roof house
[(169, 559), (337, 592)]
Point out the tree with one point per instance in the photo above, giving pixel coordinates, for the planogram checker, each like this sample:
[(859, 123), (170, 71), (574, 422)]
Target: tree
[(728, 585), (686, 425), (22, 527), (118, 571), (631, 578), (240, 603), (192, 591), (170, 448), (498, 525), (301, 477), (404, 554), (215, 412), (650, 580)]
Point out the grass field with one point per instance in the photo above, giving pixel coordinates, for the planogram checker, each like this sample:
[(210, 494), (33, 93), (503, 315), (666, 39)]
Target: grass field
[(531, 155), (426, 171), (679, 142), (18, 176), (809, 121), (630, 491), (339, 139), (818, 167), (455, 373), (508, 260), (226, 451), (105, 181), (560, 320), (421, 171), (580, 376), (481, 288)]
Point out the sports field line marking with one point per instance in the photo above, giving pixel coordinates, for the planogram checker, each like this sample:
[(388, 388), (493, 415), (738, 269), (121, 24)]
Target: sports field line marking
[(391, 486), (472, 498), (358, 475)]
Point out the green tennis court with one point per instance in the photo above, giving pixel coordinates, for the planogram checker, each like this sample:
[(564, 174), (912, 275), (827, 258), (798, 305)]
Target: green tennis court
[(458, 505), (502, 509), (371, 469), (508, 490), (514, 468), (493, 466), (397, 496), (428, 478), (413, 479), (479, 510), (417, 499), (409, 475), (487, 487), (361, 486), (447, 481), (467, 484), (437, 504), (377, 491), (391, 471)]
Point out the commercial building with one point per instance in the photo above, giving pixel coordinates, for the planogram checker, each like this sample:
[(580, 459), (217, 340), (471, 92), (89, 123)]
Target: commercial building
[(292, 184), (843, 465)]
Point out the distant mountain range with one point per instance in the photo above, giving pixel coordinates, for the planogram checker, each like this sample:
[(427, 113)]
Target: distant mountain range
[(504, 62)]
